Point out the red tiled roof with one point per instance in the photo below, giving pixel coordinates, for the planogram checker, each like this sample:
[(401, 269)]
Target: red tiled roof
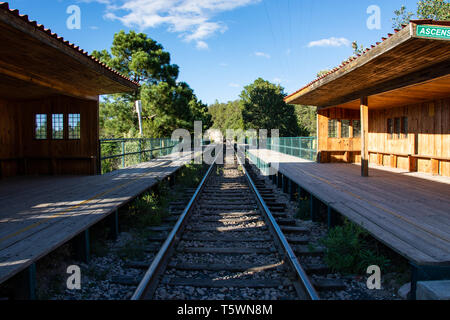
[(15, 12), (353, 58)]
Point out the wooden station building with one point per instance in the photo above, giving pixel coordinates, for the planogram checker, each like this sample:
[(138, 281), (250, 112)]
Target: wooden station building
[(49, 100), (389, 106)]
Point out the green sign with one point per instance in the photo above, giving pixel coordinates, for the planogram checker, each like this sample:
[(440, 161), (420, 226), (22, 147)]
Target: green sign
[(433, 32)]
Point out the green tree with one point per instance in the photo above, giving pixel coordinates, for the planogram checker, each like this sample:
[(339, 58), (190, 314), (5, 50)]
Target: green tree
[(426, 9), (167, 105), (171, 107), (140, 58), (264, 108), (227, 116), (307, 120), (117, 118)]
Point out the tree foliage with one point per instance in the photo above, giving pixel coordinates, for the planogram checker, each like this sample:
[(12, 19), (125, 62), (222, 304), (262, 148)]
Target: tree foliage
[(139, 58), (166, 104), (268, 111), (227, 116), (171, 108), (307, 120), (426, 9), (264, 108), (117, 118)]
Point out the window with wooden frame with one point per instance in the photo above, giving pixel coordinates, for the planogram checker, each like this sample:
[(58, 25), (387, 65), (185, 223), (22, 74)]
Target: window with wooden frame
[(356, 128), (404, 127), (332, 128), (41, 127), (390, 128), (345, 128), (398, 127), (74, 126), (58, 126)]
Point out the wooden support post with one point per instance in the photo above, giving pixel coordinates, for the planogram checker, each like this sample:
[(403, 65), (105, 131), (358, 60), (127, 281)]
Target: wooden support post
[(435, 167), (172, 180), (293, 190), (346, 157), (99, 158), (412, 166), (286, 182), (279, 180), (114, 225), (393, 161), (302, 194), (25, 287), (83, 247), (332, 218), (364, 136), (314, 207)]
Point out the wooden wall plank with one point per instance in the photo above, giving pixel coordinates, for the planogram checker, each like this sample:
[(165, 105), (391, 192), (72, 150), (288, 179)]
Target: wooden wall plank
[(31, 156)]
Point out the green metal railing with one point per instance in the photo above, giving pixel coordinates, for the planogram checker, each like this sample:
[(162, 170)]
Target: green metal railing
[(261, 165), (301, 147), (122, 153)]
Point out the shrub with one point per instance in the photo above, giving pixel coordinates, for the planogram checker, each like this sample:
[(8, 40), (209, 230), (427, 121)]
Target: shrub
[(349, 252)]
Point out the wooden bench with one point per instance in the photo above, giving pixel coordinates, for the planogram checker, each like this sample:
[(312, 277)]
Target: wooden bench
[(412, 160), (52, 160), (324, 155)]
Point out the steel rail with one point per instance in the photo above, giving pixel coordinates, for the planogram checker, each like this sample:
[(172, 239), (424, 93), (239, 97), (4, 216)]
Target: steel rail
[(152, 272), (300, 272)]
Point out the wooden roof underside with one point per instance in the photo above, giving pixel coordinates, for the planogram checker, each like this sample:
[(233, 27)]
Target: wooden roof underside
[(401, 70), (429, 90), (34, 64)]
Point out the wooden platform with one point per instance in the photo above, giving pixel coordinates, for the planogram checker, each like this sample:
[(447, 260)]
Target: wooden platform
[(39, 214), (409, 212)]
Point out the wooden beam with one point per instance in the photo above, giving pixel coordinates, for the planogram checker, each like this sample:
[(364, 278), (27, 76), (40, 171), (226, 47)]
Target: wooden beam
[(435, 71), (364, 136), (45, 39), (62, 88)]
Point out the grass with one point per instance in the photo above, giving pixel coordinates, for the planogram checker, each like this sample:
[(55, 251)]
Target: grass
[(134, 249), (350, 251), (191, 175)]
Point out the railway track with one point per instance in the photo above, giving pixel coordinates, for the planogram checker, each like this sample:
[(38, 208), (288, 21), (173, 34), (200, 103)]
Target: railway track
[(227, 244)]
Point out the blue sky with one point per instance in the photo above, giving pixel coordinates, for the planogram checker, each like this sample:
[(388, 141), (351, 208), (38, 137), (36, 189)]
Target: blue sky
[(223, 45)]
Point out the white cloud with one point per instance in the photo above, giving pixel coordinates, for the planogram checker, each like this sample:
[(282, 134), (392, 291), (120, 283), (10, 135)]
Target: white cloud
[(330, 42), (234, 85), (193, 20), (202, 45), (262, 54)]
